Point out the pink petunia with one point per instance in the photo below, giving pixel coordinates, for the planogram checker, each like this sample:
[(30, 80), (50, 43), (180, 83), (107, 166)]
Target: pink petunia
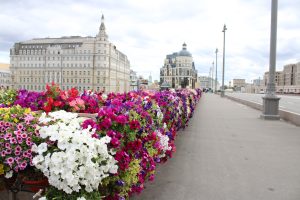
[(72, 103), (10, 161), (3, 153), (20, 126), (17, 153), (7, 136), (13, 141), (24, 135), (17, 132), (18, 148), (7, 146), (8, 151)]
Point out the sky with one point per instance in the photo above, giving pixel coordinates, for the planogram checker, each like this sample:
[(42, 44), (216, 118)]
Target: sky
[(146, 31)]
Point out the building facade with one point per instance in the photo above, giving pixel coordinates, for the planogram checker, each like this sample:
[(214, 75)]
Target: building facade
[(287, 81), (238, 83), (179, 70), (133, 80), (5, 76), (207, 82), (5, 79), (87, 63)]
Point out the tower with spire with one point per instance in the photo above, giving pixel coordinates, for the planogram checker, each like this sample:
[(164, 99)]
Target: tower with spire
[(102, 33)]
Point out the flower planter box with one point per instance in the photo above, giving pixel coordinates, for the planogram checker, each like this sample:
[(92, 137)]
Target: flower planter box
[(88, 115), (35, 185)]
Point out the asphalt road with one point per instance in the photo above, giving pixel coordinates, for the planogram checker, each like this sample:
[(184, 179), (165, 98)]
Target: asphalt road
[(288, 103)]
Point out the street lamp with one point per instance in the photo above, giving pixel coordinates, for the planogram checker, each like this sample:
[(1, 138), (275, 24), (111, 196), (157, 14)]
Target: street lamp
[(216, 77), (224, 30), (270, 100), (212, 76)]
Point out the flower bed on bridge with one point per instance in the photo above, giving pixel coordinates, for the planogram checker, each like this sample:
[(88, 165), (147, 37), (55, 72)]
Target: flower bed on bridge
[(107, 156)]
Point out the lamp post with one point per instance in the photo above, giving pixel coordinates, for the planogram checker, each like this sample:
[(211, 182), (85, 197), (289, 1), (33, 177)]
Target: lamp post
[(216, 77), (270, 100), (212, 76), (224, 30)]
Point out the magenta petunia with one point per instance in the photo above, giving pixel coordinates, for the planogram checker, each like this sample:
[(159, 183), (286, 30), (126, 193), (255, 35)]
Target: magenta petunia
[(106, 123), (122, 119), (134, 124)]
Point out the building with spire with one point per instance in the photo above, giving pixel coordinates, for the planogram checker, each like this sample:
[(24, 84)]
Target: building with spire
[(179, 70), (87, 63)]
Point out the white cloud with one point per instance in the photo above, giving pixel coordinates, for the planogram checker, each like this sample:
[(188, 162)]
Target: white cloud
[(146, 31)]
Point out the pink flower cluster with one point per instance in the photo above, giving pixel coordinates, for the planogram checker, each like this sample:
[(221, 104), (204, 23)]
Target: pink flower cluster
[(16, 140)]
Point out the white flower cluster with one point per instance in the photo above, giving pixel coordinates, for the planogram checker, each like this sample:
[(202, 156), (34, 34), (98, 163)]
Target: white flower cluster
[(159, 114), (164, 143), (79, 198), (80, 161)]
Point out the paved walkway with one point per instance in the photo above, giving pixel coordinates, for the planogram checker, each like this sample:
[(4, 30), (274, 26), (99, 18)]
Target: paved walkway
[(228, 153)]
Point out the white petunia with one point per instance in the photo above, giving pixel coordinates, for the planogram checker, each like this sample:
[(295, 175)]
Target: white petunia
[(78, 161), (9, 174), (42, 148)]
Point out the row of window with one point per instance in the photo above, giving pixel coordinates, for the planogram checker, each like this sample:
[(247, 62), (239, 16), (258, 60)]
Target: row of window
[(55, 65), (4, 75), (57, 79), (4, 81), (42, 87), (55, 52), (84, 73), (180, 72), (57, 58)]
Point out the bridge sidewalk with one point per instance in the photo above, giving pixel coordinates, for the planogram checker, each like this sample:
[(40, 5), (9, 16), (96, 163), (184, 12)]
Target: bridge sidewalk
[(229, 153)]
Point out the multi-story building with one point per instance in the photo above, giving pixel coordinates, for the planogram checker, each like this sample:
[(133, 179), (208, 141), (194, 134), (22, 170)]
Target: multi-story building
[(87, 63), (278, 78), (133, 80), (257, 82), (207, 82), (5, 76), (179, 70), (238, 83), (287, 81)]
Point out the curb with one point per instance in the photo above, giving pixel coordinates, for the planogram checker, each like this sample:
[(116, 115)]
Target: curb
[(292, 117)]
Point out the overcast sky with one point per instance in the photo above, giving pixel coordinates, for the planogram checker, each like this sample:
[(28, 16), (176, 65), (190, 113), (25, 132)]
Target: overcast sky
[(146, 31)]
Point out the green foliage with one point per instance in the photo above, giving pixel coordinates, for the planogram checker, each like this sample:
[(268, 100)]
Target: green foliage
[(8, 97), (55, 194), (130, 177), (152, 151)]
